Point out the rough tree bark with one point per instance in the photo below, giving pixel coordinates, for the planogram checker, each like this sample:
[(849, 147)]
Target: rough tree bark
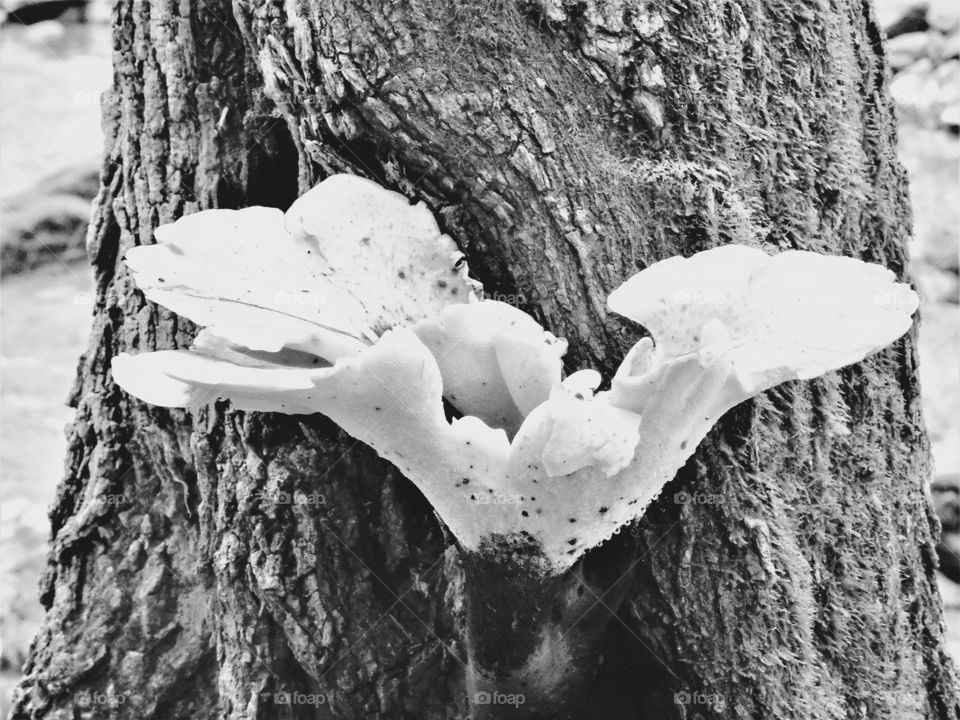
[(564, 144)]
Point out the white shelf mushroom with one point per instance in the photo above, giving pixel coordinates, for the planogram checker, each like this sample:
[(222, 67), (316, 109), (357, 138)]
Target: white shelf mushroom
[(354, 305)]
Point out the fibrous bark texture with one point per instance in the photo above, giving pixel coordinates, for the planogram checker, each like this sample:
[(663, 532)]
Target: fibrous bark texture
[(215, 564)]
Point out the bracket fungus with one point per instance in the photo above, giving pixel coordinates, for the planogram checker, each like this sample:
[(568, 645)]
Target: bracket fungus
[(354, 305)]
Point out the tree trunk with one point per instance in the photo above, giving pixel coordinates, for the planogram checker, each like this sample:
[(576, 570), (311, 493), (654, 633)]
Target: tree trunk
[(226, 565)]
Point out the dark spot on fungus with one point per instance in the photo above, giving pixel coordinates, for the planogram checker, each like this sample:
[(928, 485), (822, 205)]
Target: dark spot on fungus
[(603, 510), (683, 445), (573, 520), (402, 275), (572, 541), (525, 513)]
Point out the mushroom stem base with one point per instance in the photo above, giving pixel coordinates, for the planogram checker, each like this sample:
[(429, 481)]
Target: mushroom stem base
[(534, 636)]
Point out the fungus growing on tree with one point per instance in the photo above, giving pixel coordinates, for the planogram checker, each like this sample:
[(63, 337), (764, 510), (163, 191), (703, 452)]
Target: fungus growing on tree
[(354, 305)]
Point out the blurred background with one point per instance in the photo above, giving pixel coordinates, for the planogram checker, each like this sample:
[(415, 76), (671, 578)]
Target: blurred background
[(55, 62)]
